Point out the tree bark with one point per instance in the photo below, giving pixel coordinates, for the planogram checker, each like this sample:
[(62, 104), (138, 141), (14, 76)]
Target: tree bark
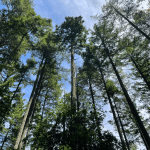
[(77, 96), (5, 137), (142, 75), (112, 109), (44, 105), (17, 88), (95, 111), (127, 144), (33, 107), (136, 27), (30, 105), (13, 52), (73, 85), (130, 103)]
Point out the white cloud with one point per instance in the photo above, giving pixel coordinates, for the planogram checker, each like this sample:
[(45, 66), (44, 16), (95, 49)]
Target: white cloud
[(85, 8), (59, 9)]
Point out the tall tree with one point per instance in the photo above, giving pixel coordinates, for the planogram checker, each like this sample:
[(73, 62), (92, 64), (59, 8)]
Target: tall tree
[(89, 57), (100, 33), (128, 7), (37, 86), (73, 36)]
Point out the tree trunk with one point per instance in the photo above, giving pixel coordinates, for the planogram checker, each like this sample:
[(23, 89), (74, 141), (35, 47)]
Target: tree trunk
[(130, 103), (64, 116), (143, 76), (13, 52), (93, 100), (95, 111), (73, 85), (17, 88), (112, 109), (32, 110), (5, 137), (44, 105), (146, 145), (77, 96), (127, 144), (29, 107), (136, 27)]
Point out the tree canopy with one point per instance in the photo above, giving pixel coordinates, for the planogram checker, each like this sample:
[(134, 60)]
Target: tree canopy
[(115, 74)]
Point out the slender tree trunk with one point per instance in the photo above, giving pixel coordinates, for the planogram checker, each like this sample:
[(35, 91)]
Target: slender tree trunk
[(95, 111), (13, 52), (44, 105), (145, 142), (30, 105), (130, 103), (73, 92), (23, 135), (146, 145), (77, 97), (26, 130), (17, 88), (33, 107), (64, 115), (136, 27), (64, 125), (112, 109), (5, 137), (127, 144), (73, 82), (92, 95), (142, 75)]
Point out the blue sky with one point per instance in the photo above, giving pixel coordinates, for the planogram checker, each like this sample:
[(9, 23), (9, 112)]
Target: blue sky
[(57, 10)]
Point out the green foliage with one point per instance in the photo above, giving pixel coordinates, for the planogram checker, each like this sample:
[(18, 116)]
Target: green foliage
[(65, 147), (72, 33), (111, 88)]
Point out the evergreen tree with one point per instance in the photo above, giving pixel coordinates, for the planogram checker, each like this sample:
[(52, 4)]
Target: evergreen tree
[(100, 33), (73, 37)]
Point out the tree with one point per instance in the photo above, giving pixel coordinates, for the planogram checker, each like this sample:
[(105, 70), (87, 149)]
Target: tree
[(100, 33), (37, 86), (89, 57), (73, 36), (110, 7)]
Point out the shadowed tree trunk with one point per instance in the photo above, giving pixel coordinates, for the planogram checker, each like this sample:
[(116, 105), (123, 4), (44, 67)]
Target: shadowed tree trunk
[(112, 109), (95, 111), (144, 133), (136, 27), (127, 144), (77, 94), (27, 128), (17, 88), (29, 107), (33, 107), (142, 75), (13, 52), (5, 137)]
